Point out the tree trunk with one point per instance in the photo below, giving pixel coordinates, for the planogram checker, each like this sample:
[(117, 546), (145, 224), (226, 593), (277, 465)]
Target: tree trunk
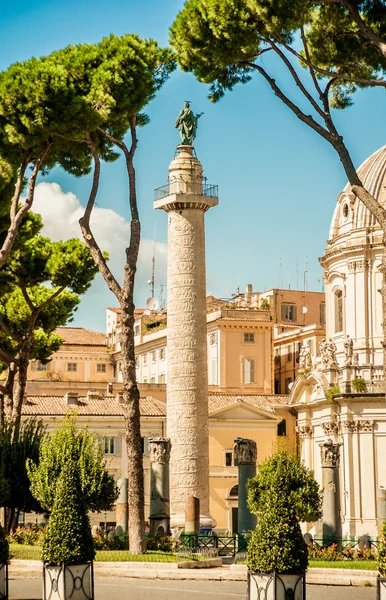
[(131, 398), (7, 404), (21, 386)]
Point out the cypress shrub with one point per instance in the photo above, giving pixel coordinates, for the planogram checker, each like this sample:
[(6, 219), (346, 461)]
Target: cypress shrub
[(68, 537), (382, 552), (283, 493)]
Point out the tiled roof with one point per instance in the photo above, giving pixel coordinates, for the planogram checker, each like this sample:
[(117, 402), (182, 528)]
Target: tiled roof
[(137, 311), (98, 407), (107, 405), (81, 336), (267, 402)]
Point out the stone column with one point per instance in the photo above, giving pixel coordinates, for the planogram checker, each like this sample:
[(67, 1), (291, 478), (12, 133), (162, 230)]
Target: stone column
[(185, 201), (245, 459), (330, 461), (159, 452), (122, 513)]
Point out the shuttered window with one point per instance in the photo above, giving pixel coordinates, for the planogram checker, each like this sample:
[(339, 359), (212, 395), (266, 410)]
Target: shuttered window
[(248, 370)]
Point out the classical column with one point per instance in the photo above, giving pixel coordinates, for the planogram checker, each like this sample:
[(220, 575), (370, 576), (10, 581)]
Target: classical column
[(159, 452), (121, 506), (330, 461), (245, 459), (186, 200)]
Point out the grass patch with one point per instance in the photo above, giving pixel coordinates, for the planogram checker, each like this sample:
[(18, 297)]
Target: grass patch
[(365, 565), (126, 556), (24, 552)]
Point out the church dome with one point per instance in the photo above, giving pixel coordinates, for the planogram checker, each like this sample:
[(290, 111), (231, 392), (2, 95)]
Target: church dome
[(350, 214)]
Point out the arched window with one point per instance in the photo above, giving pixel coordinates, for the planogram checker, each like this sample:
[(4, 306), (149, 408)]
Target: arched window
[(234, 491), (338, 311)]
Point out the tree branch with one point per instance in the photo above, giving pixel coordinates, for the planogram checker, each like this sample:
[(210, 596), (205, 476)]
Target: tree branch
[(7, 358), (89, 239), (8, 332), (39, 308), (365, 29), (26, 297), (17, 215)]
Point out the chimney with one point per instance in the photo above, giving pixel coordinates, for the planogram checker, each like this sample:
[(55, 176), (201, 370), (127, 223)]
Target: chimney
[(92, 394), (249, 289), (110, 387), (71, 398)]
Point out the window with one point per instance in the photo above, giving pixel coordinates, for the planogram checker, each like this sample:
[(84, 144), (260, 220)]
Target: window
[(137, 329), (214, 371), (101, 368), (72, 367), (311, 346), (248, 370), (161, 353), (111, 445), (282, 428), (145, 446), (161, 378), (297, 353), (288, 312), (137, 362), (289, 353), (36, 365), (338, 311), (144, 380), (322, 313), (277, 357), (249, 338), (288, 381), (234, 491), (213, 339), (144, 359), (152, 379), (228, 458), (154, 356)]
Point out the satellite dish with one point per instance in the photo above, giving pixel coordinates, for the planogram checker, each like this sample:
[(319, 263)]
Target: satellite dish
[(147, 312), (304, 310), (152, 303)]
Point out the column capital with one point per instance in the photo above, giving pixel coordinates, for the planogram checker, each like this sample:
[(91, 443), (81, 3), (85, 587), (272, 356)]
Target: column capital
[(159, 450), (329, 454), (245, 452)]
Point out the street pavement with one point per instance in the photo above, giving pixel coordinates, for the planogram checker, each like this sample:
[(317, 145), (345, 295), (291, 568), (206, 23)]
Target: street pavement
[(30, 588)]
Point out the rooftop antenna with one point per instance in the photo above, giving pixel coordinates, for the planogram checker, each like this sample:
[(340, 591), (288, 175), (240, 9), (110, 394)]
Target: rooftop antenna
[(281, 273), (289, 279), (152, 302), (162, 296), (297, 271), (305, 275)]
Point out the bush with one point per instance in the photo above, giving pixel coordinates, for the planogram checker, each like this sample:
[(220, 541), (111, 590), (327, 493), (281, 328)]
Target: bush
[(102, 541), (333, 554), (68, 537), (165, 544), (283, 493), (359, 385), (30, 536), (4, 547), (382, 552), (332, 392)]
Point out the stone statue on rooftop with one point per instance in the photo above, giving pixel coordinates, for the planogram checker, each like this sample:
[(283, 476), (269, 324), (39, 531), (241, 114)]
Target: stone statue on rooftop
[(187, 123)]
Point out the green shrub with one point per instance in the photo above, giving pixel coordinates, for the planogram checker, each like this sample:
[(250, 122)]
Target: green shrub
[(359, 385), (283, 493), (382, 552), (102, 541), (165, 544), (333, 554), (68, 537), (334, 389), (4, 547), (30, 536)]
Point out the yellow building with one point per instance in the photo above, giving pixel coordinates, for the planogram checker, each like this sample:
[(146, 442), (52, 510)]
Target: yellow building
[(258, 417)]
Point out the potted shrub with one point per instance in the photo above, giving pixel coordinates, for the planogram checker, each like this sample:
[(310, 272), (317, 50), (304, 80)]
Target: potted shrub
[(283, 493), (68, 548), (4, 557), (381, 595)]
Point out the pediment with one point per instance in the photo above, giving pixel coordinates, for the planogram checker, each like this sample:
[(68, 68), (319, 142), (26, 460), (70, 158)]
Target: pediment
[(242, 412), (307, 388)]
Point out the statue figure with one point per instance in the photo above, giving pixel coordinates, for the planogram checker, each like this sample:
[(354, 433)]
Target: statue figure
[(355, 359), (323, 351), (348, 350), (187, 123), (305, 358), (331, 353)]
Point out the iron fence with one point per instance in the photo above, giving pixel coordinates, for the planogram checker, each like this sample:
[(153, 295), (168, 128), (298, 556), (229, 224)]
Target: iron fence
[(181, 187), (225, 545)]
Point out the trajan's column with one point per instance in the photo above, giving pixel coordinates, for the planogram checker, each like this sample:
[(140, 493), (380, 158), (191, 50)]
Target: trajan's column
[(186, 199)]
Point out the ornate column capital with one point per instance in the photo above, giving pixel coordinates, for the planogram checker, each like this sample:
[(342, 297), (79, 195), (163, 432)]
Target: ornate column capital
[(245, 452), (159, 450), (350, 426), (331, 428), (366, 426), (305, 431), (329, 454)]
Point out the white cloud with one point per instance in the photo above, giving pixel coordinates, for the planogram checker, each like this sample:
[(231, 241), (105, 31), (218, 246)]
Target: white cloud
[(61, 212)]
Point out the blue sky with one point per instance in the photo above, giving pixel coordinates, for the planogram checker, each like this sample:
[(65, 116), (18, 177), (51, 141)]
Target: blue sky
[(278, 181)]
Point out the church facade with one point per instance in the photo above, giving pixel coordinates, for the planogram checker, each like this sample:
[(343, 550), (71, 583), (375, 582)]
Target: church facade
[(339, 398)]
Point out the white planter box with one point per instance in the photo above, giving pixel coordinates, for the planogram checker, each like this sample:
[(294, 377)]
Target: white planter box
[(62, 583), (276, 586), (381, 588), (3, 581)]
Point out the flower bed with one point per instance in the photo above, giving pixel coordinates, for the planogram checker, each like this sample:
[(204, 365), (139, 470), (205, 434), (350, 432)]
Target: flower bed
[(332, 554)]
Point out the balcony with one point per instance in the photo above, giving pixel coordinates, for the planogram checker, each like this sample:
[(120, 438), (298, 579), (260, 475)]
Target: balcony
[(183, 187)]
